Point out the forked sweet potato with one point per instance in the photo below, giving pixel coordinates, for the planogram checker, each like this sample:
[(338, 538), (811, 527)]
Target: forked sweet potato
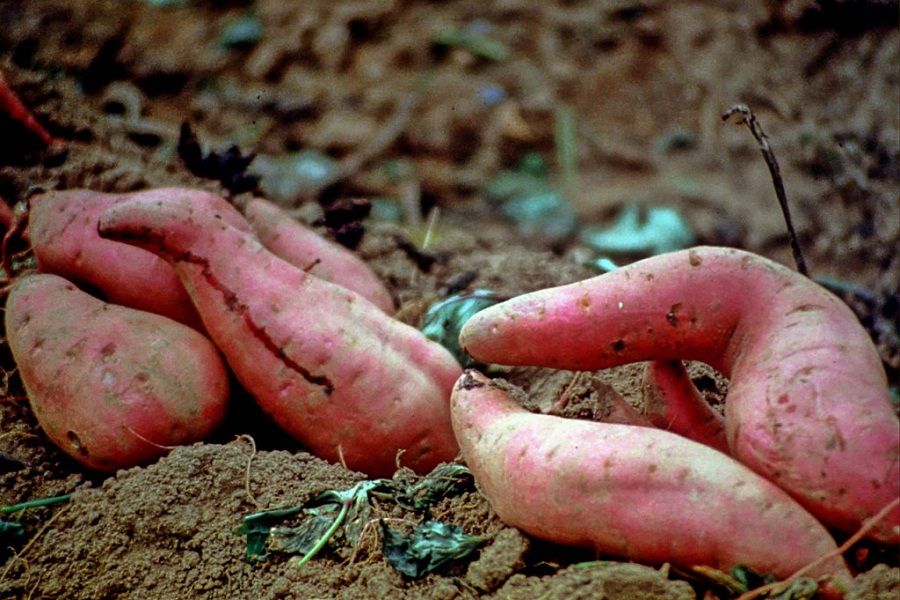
[(285, 237), (808, 404), (636, 492), (110, 385), (62, 227), (325, 363)]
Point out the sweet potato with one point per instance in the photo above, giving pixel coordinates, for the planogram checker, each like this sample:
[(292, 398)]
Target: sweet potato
[(283, 236), (808, 404), (635, 492), (325, 363), (671, 402), (110, 385), (62, 227)]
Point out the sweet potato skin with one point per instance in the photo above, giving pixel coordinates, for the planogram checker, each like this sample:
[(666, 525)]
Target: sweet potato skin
[(62, 227), (283, 236), (808, 404), (108, 384), (327, 365), (636, 492)]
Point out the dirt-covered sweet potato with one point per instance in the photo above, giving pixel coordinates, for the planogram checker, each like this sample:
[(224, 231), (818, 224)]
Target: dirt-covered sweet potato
[(110, 385)]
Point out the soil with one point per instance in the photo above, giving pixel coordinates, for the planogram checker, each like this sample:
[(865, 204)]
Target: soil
[(365, 83)]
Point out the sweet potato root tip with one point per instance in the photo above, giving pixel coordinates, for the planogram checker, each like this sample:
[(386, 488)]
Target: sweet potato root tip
[(808, 405)]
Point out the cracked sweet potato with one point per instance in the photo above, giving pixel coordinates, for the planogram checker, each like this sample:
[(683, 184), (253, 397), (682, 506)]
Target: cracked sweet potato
[(110, 385), (808, 404), (283, 236), (62, 227), (325, 363), (636, 492)]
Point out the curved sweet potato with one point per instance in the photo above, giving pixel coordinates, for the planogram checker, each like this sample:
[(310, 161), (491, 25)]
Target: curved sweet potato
[(62, 227), (285, 237), (808, 404), (636, 492), (325, 363), (111, 386)]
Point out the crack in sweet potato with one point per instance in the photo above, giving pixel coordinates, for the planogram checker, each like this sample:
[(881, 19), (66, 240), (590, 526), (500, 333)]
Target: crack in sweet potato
[(234, 304), (146, 237)]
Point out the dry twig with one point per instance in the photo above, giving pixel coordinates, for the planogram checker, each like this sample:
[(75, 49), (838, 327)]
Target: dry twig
[(746, 117)]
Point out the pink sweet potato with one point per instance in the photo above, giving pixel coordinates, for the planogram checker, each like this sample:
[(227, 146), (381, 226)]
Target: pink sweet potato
[(671, 402), (111, 386), (808, 405), (635, 492), (325, 363), (62, 227), (304, 248)]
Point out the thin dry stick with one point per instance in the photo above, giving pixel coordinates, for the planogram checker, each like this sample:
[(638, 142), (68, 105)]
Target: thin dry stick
[(36, 584), (867, 526), (250, 497), (746, 117), (31, 542)]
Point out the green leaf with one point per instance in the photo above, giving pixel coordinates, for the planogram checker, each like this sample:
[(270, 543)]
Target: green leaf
[(430, 546), (445, 320), (444, 481), (644, 233), (749, 578), (545, 215), (258, 526), (803, 588), (303, 538)]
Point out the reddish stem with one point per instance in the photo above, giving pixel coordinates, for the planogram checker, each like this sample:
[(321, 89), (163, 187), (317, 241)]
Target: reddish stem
[(12, 106)]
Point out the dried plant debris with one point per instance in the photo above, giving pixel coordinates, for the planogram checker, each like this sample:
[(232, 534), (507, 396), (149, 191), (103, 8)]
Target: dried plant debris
[(338, 518), (228, 168)]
